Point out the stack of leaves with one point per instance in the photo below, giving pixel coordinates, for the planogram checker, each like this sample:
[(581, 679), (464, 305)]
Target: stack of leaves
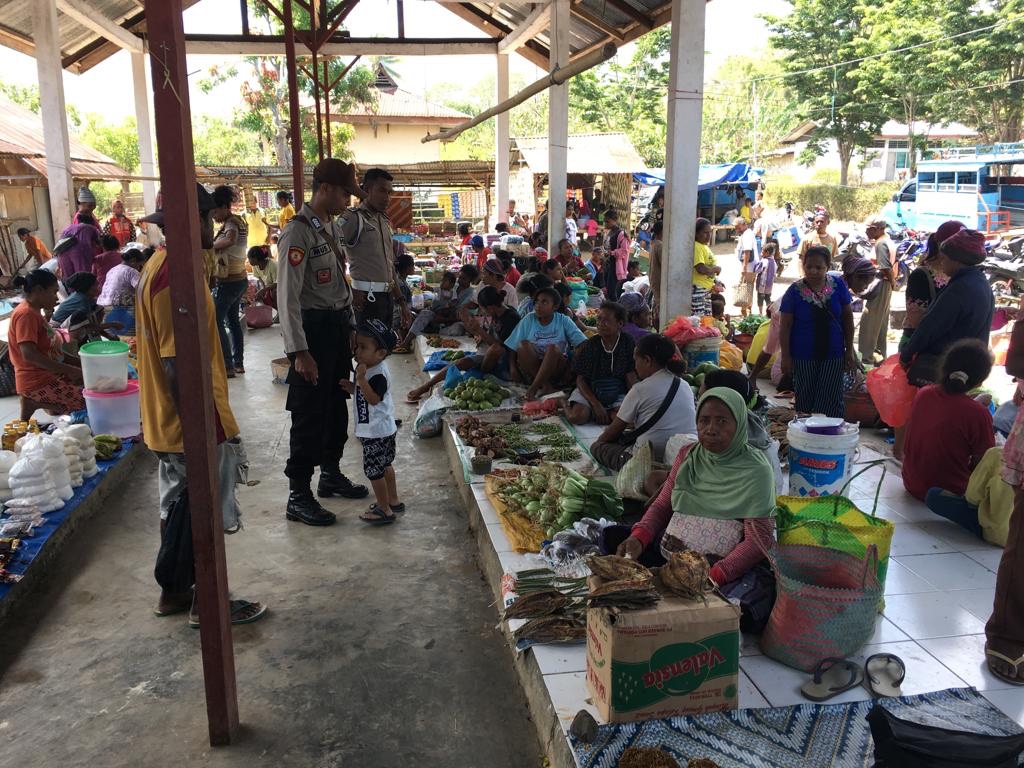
[(686, 574), (553, 605), (626, 584)]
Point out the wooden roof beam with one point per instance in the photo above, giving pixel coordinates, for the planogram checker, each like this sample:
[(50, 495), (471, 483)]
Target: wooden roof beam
[(101, 25), (597, 22), (640, 18), (19, 42), (273, 45), (538, 20), (533, 51)]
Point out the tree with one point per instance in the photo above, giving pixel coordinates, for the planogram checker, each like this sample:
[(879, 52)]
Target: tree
[(119, 142), (220, 142), (814, 38), (27, 96)]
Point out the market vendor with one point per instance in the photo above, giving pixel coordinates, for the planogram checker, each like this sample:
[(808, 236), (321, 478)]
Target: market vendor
[(42, 376), (541, 342), (455, 293), (604, 367), (638, 315), (655, 409), (718, 499), (118, 294), (493, 274), (571, 263)]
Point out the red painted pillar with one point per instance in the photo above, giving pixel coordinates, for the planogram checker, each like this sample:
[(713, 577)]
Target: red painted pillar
[(194, 353), (293, 101)]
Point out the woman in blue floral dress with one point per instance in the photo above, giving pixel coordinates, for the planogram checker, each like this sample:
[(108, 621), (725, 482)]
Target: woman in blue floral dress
[(816, 336)]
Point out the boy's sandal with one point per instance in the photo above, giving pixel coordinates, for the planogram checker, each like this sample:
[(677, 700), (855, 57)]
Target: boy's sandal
[(242, 612), (1015, 663), (832, 676), (884, 673), (380, 517)]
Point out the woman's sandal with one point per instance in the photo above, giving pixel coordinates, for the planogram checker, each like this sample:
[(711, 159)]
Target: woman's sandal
[(884, 673), (1015, 663), (242, 612), (380, 517), (832, 676), (398, 509)]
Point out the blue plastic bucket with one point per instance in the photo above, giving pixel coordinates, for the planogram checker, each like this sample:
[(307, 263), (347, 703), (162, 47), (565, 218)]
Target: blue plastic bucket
[(702, 351)]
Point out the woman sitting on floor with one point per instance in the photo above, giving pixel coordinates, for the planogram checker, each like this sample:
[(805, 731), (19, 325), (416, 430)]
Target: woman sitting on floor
[(604, 368), (949, 431), (718, 499), (541, 342), (638, 315), (41, 375), (655, 408)]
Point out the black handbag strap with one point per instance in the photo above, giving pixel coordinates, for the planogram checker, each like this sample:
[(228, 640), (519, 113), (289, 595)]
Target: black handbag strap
[(631, 437)]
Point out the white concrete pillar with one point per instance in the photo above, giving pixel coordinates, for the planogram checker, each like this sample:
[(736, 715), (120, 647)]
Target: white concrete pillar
[(147, 168), (558, 123), (685, 101), (55, 124), (501, 140)]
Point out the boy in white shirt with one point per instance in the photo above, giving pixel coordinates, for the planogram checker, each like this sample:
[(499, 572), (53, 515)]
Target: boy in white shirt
[(375, 418)]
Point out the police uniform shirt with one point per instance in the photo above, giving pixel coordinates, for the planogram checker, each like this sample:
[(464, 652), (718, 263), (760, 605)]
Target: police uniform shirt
[(309, 277), (368, 241)]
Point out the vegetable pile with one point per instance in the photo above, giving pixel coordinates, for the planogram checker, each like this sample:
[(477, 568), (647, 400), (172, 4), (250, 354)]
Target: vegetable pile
[(482, 436), (440, 341), (750, 324), (555, 497), (504, 440), (477, 395), (452, 355), (695, 378), (107, 446)]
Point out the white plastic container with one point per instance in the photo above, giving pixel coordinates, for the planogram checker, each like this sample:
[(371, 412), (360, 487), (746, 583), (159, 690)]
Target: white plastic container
[(104, 366), (114, 413), (820, 465)]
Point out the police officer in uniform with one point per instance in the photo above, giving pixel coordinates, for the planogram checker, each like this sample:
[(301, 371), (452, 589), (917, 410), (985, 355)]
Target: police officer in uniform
[(368, 242), (315, 308)]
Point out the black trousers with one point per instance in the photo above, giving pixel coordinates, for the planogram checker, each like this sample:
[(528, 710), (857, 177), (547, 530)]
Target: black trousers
[(320, 412), (381, 308)]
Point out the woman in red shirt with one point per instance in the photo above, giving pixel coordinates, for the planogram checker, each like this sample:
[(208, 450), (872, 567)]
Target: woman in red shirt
[(948, 431), (40, 373)]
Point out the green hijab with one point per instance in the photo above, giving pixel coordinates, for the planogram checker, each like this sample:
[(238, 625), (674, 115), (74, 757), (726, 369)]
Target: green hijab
[(734, 484)]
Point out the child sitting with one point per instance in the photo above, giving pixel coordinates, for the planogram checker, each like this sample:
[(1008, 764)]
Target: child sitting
[(375, 418), (541, 341), (455, 292), (721, 320)]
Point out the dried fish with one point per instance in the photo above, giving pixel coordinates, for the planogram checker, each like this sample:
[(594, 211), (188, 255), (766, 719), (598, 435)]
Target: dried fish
[(552, 629), (686, 574), (615, 568), (625, 593), (536, 605)]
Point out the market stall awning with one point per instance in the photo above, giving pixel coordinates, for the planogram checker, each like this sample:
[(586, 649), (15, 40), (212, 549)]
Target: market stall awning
[(589, 153), (710, 176)]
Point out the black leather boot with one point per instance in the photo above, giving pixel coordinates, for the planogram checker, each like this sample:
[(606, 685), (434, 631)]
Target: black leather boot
[(306, 509), (333, 483)]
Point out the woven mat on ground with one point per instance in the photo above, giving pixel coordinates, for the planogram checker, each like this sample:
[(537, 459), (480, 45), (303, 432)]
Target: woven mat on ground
[(806, 735)]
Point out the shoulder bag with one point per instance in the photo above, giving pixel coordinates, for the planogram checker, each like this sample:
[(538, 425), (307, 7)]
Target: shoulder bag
[(615, 455)]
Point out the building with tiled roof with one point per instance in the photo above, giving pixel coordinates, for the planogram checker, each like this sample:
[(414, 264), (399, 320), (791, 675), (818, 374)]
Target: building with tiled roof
[(389, 130)]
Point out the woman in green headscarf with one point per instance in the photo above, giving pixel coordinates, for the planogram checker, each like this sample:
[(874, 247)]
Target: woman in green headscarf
[(718, 498)]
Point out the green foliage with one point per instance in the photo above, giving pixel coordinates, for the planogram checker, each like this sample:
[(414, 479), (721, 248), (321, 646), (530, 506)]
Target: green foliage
[(843, 203), (27, 96), (119, 142), (221, 142), (106, 192)]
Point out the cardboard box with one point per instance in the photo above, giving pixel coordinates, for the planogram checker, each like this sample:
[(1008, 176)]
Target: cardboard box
[(679, 657)]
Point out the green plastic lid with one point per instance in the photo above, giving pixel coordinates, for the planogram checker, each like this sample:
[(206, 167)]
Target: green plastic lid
[(104, 348)]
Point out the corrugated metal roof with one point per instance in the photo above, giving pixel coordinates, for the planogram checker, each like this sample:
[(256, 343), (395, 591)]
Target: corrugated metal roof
[(591, 153), (22, 132), (442, 173), (398, 102)]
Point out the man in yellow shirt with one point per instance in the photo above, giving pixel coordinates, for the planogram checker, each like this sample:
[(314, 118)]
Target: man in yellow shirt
[(158, 392), (256, 220)]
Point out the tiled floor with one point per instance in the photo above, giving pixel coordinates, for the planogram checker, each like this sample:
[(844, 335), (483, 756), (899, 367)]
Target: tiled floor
[(939, 592)]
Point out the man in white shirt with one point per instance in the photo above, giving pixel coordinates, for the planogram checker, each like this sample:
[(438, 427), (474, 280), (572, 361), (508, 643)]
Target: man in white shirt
[(746, 254)]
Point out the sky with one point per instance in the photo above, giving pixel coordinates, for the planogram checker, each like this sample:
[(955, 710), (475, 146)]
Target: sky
[(732, 27)]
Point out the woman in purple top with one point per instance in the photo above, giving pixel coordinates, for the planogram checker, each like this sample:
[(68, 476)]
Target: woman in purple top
[(79, 257), (638, 315)]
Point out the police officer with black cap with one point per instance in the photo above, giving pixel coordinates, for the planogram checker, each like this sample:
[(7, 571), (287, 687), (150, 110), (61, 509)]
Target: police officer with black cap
[(315, 309)]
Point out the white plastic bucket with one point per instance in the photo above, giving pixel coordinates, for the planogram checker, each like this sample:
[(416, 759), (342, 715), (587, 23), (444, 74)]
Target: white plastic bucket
[(104, 365), (701, 351), (114, 413), (820, 465)]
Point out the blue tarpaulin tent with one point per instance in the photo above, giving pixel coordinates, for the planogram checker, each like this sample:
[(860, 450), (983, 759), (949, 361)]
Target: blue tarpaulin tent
[(710, 176)]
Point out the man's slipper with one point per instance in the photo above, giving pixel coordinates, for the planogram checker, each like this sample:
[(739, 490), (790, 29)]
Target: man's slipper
[(884, 673), (1015, 663), (380, 516), (398, 509), (832, 676)]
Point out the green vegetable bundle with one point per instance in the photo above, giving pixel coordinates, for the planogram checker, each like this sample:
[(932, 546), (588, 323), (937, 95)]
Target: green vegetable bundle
[(750, 324)]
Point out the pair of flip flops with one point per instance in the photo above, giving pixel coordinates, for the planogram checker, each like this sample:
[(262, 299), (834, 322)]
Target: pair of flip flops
[(883, 673)]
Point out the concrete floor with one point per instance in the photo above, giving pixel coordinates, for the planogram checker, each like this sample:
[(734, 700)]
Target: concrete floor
[(379, 648)]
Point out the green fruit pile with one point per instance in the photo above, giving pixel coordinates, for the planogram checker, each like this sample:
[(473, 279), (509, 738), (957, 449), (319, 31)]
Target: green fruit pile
[(476, 395), (696, 377)]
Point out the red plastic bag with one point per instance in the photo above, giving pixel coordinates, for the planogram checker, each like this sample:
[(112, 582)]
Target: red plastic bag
[(681, 331), (891, 391)]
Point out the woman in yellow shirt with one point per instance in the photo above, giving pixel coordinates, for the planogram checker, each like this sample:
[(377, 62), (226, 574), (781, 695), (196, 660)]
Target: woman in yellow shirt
[(284, 202), (704, 269)]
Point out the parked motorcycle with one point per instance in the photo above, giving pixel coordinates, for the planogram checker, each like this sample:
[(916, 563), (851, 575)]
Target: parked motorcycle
[(1004, 268)]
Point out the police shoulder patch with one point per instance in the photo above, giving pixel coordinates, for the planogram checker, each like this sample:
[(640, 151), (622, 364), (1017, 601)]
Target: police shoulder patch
[(295, 256)]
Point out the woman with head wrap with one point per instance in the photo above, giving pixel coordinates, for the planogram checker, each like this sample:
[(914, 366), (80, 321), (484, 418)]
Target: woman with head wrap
[(638, 314), (859, 273), (962, 311), (926, 282), (722, 484)]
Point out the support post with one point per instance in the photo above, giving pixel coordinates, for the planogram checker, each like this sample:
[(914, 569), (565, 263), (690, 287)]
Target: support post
[(193, 352), (55, 124), (143, 125), (558, 125), (685, 97), (501, 139), (294, 118)]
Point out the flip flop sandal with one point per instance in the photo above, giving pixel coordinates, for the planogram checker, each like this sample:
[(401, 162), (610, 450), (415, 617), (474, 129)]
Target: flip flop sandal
[(398, 509), (410, 401), (381, 519), (884, 673), (832, 676), (1015, 663)]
